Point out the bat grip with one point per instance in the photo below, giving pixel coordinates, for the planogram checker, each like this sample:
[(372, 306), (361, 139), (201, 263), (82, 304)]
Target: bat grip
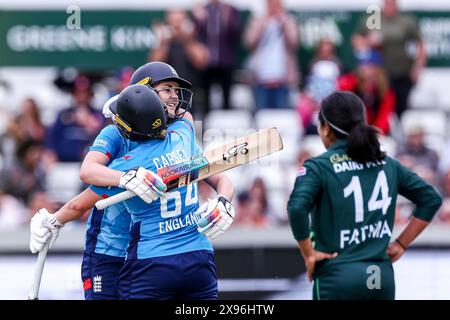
[(104, 203)]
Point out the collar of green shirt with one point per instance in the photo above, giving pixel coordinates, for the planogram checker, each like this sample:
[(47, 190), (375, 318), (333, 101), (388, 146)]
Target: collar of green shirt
[(339, 144)]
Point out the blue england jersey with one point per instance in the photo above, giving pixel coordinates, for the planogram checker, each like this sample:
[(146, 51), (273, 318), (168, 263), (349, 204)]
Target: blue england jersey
[(108, 230), (167, 226)]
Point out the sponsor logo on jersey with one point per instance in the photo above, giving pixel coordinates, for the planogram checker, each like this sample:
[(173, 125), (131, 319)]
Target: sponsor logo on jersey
[(100, 142), (301, 172)]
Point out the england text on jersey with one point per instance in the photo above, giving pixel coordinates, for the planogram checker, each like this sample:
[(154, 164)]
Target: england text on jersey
[(177, 223)]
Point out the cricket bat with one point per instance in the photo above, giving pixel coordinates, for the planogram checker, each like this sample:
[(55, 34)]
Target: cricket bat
[(232, 154), (38, 269)]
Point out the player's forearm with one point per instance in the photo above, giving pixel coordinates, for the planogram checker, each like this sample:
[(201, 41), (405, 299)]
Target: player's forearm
[(306, 248), (76, 207), (100, 175), (412, 230), (222, 184)]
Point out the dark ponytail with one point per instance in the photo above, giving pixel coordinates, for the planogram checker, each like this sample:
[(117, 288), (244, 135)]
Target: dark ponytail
[(345, 114)]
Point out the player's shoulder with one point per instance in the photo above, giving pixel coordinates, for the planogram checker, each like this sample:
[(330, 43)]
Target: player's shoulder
[(323, 158), (181, 123), (110, 131), (392, 162), (188, 116), (314, 163)]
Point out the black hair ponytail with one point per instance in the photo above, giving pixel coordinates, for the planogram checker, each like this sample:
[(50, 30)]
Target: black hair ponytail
[(363, 144), (345, 113)]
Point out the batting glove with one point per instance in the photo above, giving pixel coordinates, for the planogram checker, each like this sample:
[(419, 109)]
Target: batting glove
[(144, 183), (43, 227), (215, 216)]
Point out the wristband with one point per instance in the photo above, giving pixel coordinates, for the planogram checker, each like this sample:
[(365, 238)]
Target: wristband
[(401, 245)]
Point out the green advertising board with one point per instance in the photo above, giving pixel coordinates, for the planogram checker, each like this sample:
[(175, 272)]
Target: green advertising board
[(108, 39)]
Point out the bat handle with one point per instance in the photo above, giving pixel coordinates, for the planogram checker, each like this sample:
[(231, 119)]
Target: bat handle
[(104, 203), (38, 269)]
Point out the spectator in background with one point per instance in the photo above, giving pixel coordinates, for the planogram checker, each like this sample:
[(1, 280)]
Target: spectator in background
[(321, 81), (273, 41), (253, 206), (120, 80), (26, 176), (415, 155), (401, 45), (27, 125), (12, 212), (444, 213), (370, 83), (75, 127), (444, 161), (242, 209), (218, 27), (179, 47)]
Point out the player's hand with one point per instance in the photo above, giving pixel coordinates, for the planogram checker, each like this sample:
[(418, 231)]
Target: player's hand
[(395, 251), (144, 183), (310, 262), (43, 227), (215, 216)]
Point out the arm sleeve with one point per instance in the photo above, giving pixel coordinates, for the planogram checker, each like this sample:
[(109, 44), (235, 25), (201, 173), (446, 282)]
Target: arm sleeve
[(121, 164), (108, 142), (303, 199), (423, 195), (106, 192)]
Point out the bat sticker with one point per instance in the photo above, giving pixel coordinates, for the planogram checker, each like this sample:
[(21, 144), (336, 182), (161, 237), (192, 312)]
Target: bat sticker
[(235, 150)]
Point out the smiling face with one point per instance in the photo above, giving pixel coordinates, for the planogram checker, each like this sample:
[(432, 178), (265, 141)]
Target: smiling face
[(169, 92)]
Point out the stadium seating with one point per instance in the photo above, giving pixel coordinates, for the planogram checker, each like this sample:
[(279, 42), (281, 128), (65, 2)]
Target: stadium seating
[(431, 90), (388, 145), (241, 97), (223, 125), (434, 122), (63, 181), (288, 124)]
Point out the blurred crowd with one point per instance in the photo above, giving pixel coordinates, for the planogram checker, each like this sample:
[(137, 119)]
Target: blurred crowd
[(203, 46)]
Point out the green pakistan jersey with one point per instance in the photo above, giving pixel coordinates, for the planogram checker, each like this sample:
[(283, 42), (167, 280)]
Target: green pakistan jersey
[(352, 205)]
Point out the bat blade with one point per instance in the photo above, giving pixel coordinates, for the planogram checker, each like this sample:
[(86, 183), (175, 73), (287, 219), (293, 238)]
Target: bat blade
[(225, 157)]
